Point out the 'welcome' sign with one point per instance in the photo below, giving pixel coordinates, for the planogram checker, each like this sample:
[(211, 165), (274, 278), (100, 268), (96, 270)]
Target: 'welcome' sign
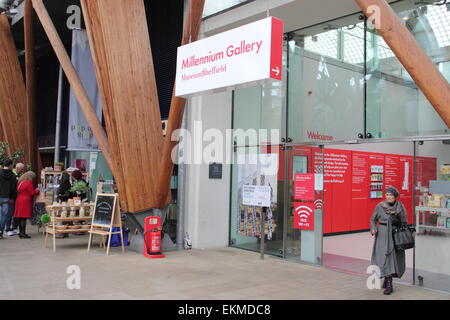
[(240, 56)]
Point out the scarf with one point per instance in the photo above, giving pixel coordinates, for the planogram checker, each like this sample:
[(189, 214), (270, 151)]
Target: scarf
[(391, 209)]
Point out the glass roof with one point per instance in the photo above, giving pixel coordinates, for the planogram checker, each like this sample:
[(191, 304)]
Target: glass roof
[(324, 43), (349, 47), (439, 19)]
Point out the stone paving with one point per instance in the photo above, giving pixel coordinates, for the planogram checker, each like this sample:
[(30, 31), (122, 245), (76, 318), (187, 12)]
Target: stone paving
[(30, 271)]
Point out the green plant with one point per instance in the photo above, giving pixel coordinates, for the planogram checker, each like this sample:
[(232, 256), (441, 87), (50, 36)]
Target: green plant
[(79, 186), (45, 218), (15, 156)]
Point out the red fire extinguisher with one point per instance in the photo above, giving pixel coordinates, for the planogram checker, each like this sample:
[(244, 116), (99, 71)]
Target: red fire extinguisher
[(152, 238)]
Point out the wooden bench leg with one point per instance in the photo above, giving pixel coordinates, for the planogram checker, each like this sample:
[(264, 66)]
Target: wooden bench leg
[(46, 240)]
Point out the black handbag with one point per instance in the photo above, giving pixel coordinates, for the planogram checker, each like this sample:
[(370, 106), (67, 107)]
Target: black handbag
[(403, 237)]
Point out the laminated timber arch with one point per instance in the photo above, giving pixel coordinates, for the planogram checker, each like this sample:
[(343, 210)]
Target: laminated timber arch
[(190, 34), (121, 51), (120, 42), (13, 104)]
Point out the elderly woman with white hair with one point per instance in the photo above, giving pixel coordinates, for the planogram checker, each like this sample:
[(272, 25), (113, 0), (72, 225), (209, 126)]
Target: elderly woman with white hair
[(388, 214)]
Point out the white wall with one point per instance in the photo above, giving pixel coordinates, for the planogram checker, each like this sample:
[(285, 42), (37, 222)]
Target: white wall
[(207, 202)]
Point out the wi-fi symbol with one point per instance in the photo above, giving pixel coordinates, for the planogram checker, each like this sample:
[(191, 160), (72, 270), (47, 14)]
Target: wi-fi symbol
[(303, 211), (318, 204)]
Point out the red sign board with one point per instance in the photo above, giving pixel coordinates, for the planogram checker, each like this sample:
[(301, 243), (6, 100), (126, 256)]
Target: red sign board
[(304, 186), (304, 216)]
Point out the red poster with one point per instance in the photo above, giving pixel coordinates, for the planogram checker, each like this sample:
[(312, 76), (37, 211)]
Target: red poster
[(392, 177), (338, 189), (304, 186), (406, 176), (304, 216), (360, 176), (360, 190)]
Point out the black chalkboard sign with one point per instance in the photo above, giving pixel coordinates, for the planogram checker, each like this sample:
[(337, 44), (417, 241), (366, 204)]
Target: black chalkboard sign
[(105, 206)]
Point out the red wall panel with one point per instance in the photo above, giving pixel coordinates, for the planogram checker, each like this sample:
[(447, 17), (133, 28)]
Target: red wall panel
[(360, 190), (347, 177)]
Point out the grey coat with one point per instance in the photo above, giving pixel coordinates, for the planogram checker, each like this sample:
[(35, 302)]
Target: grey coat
[(390, 261)]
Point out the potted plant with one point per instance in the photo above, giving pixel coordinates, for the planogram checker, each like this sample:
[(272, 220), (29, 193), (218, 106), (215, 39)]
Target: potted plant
[(15, 156), (59, 166), (79, 187)]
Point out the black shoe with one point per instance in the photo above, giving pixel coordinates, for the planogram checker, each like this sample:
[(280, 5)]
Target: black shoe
[(384, 283), (24, 236), (389, 289), (1, 235)]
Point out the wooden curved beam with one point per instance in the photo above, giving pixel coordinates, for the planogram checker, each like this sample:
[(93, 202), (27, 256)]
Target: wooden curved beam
[(190, 34), (75, 82), (12, 93)]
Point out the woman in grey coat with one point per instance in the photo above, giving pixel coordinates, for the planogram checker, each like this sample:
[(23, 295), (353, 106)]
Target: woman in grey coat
[(388, 214)]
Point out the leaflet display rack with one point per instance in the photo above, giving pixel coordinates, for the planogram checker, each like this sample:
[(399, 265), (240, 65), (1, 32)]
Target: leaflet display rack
[(376, 182)]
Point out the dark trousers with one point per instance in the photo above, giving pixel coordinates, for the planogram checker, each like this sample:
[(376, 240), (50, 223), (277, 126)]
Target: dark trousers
[(9, 221), (21, 223)]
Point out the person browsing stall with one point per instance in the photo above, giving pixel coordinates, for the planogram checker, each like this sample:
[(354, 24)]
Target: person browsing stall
[(63, 192), (79, 186), (24, 202), (7, 193), (18, 170)]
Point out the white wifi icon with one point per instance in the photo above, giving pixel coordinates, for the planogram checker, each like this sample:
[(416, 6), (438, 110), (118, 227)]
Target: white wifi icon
[(303, 211), (318, 204)]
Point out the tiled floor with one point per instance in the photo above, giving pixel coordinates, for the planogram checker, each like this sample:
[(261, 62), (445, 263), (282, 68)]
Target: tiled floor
[(29, 271)]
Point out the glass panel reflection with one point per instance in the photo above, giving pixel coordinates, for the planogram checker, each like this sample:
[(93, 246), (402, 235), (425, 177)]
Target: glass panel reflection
[(216, 6), (396, 107)]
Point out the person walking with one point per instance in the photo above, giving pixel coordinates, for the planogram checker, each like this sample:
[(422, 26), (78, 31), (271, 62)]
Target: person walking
[(388, 214), (10, 228), (7, 192), (24, 202)]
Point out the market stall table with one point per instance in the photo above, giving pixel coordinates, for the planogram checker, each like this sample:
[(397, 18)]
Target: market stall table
[(67, 213)]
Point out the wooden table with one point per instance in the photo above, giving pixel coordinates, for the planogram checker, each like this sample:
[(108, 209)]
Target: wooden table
[(55, 213)]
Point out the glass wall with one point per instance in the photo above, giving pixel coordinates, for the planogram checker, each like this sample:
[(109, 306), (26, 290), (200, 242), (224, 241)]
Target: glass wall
[(258, 123), (341, 82), (432, 212), (325, 86), (396, 107), (93, 163), (346, 83)]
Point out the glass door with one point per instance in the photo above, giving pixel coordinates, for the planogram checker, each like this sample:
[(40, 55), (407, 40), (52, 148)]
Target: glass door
[(257, 166), (304, 204)]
